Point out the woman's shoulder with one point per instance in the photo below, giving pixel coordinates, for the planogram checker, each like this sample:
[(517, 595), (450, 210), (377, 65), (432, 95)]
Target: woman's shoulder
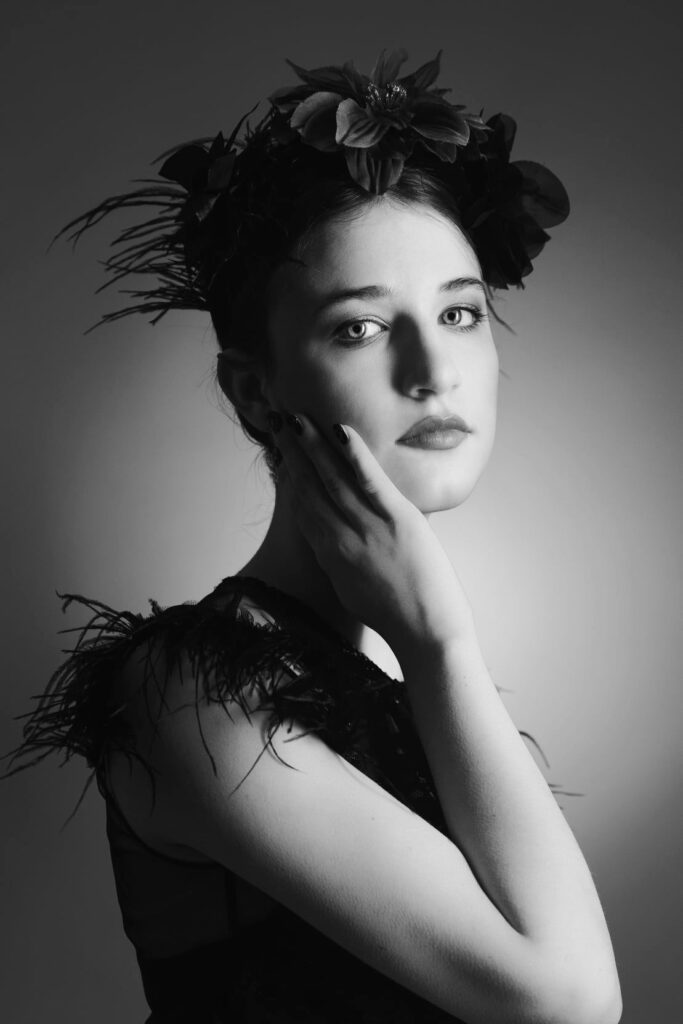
[(118, 656), (244, 642)]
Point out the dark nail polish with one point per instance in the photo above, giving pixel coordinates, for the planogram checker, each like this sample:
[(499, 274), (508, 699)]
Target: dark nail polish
[(274, 421), (295, 423), (340, 433)]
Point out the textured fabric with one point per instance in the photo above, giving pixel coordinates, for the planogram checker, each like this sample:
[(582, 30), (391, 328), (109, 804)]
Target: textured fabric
[(213, 949)]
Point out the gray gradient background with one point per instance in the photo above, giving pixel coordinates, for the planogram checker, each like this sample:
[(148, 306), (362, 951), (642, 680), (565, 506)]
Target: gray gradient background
[(123, 480)]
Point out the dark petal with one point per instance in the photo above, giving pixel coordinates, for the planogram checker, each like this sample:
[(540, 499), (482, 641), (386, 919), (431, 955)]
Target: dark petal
[(280, 130), (286, 99), (217, 147), (509, 130), (356, 128), (374, 173), (532, 236), (185, 166), (477, 220), (387, 67), (424, 76), (395, 144), (447, 151), (438, 120), (198, 207), (315, 119), (220, 172), (327, 79), (504, 131), (357, 165), (386, 172), (513, 257), (183, 145), (236, 130), (475, 121), (357, 82), (509, 257), (543, 194)]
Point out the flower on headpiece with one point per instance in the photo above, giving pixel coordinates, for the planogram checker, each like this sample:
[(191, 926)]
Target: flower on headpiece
[(203, 173), (378, 120), (506, 205)]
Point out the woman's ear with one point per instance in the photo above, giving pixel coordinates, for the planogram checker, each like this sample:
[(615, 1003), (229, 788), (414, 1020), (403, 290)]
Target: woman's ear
[(242, 380)]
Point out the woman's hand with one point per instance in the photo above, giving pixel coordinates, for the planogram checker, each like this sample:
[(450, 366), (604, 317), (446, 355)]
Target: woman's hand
[(382, 558)]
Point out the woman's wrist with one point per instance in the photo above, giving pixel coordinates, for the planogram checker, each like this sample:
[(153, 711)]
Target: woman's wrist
[(415, 652)]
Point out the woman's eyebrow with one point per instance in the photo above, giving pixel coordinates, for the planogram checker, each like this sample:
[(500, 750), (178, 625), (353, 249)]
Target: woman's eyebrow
[(377, 291)]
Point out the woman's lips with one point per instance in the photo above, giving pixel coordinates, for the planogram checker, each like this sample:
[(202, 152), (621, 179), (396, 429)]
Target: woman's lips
[(436, 439), (435, 432)]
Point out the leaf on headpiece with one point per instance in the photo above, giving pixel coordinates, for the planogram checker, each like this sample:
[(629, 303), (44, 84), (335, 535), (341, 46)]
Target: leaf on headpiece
[(220, 173), (315, 120), (544, 196), (356, 127), (217, 146), (286, 99), (425, 76), (198, 207), (386, 68), (328, 79), (504, 129), (185, 166), (183, 145)]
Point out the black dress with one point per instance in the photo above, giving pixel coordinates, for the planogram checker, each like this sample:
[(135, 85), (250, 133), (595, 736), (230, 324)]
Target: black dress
[(213, 949)]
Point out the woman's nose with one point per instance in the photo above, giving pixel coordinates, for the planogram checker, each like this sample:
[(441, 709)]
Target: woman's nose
[(427, 361)]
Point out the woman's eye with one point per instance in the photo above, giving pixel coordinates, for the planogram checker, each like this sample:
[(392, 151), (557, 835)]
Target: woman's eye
[(465, 317), (355, 331)]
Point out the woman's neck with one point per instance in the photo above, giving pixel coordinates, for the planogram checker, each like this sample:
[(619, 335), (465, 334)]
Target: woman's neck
[(285, 560)]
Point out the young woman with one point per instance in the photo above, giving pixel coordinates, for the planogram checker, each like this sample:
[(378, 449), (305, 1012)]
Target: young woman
[(301, 832)]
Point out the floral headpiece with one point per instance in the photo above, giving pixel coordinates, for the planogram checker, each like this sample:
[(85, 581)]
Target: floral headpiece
[(210, 192)]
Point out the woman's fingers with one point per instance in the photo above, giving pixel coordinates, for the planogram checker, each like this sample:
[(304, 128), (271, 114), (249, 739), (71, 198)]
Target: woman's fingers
[(372, 481), (348, 472), (317, 510)]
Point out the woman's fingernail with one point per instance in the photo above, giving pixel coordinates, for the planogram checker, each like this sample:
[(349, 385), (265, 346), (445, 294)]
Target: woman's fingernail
[(340, 433), (274, 421), (295, 423)]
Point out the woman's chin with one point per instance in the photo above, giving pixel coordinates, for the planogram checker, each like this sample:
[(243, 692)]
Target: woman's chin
[(437, 481), (436, 495)]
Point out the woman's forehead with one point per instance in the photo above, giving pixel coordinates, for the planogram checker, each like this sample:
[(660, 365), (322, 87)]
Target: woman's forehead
[(383, 244)]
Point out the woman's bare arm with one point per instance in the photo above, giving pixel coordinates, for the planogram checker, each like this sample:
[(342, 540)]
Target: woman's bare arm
[(503, 816), (334, 847)]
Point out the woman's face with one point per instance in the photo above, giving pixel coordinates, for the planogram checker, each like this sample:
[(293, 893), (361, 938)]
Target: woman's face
[(416, 344)]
